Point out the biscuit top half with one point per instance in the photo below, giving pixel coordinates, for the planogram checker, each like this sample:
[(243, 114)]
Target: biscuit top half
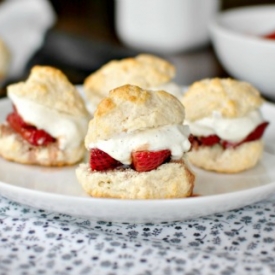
[(49, 87), (229, 97), (5, 59), (143, 70), (129, 108)]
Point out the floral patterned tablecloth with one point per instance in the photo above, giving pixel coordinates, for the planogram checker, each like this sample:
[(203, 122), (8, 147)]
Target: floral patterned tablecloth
[(34, 241)]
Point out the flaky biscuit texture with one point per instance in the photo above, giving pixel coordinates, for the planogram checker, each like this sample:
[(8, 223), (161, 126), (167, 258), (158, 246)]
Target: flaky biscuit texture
[(14, 148), (5, 59), (170, 180), (229, 97), (230, 160), (143, 70), (48, 86), (129, 108)]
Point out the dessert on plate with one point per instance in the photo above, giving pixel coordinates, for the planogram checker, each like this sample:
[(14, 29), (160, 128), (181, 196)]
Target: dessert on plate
[(226, 124), (5, 60), (48, 123), (137, 144), (146, 71)]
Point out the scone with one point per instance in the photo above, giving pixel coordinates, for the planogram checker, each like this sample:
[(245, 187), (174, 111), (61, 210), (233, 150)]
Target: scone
[(5, 60), (146, 71), (48, 123), (137, 144), (226, 124)]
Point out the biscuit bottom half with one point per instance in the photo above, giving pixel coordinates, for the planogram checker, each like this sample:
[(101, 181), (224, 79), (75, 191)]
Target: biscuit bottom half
[(14, 148), (230, 160), (169, 180)]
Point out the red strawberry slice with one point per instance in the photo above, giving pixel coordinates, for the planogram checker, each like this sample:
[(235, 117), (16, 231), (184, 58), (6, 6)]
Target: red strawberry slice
[(209, 140), (256, 134), (28, 132), (16, 121), (143, 161), (101, 161), (270, 35), (204, 141)]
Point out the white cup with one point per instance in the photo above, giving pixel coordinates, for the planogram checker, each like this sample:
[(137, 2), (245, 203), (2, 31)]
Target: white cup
[(164, 26)]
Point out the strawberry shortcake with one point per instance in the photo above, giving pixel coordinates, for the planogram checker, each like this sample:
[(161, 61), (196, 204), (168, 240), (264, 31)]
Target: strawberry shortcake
[(226, 124), (137, 144), (48, 123), (145, 70)]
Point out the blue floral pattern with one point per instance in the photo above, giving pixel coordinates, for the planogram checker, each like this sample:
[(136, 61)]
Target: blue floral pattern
[(34, 241)]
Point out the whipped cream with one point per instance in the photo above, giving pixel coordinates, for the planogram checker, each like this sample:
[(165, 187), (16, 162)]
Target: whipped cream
[(67, 129), (230, 129), (171, 137), (171, 88)]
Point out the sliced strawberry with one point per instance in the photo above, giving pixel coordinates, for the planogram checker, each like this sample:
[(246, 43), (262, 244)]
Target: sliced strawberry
[(214, 139), (205, 141), (16, 122), (256, 134), (101, 161), (270, 35), (143, 161), (210, 140), (28, 132), (37, 137)]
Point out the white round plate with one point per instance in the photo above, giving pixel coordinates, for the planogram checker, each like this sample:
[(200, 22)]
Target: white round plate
[(56, 189)]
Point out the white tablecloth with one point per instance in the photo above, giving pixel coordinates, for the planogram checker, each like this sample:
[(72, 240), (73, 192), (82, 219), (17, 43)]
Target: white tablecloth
[(33, 241)]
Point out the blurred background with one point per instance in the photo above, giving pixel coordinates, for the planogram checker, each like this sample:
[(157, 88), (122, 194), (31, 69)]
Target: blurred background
[(84, 37), (95, 18)]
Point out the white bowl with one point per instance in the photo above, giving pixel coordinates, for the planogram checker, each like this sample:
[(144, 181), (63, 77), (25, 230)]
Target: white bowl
[(237, 39), (164, 26)]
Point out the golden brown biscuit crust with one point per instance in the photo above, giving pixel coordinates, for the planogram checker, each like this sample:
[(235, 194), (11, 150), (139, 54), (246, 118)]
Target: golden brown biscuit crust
[(48, 86), (129, 108), (143, 70), (170, 180), (230, 97)]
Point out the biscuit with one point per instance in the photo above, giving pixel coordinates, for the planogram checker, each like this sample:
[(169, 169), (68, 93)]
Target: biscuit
[(170, 180), (129, 108), (48, 86), (14, 148), (229, 97), (49, 102), (231, 160), (143, 70), (210, 101)]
